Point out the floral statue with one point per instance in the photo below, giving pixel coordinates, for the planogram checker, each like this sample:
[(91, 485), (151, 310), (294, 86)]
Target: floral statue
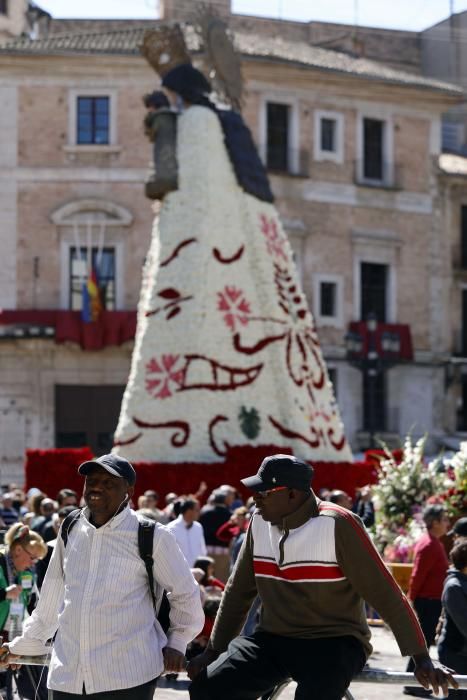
[(226, 351)]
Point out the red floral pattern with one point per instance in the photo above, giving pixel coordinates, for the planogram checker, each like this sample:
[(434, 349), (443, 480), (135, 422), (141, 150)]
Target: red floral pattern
[(275, 242), (235, 307), (166, 375)]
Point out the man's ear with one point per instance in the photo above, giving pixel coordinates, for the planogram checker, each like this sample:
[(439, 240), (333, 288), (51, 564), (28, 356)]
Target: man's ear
[(130, 491)]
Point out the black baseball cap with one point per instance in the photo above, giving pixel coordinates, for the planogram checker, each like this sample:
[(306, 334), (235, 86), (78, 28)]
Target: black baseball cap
[(115, 465), (280, 470), (460, 528)]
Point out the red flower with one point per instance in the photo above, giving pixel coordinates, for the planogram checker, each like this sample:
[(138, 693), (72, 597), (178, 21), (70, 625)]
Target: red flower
[(237, 310), (171, 375), (275, 242)]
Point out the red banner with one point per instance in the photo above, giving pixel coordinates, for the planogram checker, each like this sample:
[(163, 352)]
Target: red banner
[(54, 469)]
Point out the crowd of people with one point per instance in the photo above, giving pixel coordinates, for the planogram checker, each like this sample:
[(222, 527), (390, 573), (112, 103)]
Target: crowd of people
[(210, 537)]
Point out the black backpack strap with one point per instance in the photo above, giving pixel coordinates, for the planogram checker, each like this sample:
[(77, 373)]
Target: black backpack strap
[(68, 525), (145, 545)]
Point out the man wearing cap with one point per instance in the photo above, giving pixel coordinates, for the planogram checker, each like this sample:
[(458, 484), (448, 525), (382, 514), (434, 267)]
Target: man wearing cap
[(96, 598), (459, 530), (312, 565)]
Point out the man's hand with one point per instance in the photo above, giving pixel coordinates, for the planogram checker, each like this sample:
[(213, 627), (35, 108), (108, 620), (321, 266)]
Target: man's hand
[(434, 675), (13, 592), (174, 661), (7, 659), (200, 662)]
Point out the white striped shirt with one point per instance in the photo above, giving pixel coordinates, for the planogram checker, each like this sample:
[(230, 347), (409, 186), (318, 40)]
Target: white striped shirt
[(189, 539), (96, 594)]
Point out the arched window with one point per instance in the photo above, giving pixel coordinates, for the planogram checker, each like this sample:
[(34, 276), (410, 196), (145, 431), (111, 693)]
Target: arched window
[(92, 238)]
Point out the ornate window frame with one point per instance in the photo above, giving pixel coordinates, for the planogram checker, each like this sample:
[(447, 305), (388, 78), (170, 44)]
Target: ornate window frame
[(91, 215)]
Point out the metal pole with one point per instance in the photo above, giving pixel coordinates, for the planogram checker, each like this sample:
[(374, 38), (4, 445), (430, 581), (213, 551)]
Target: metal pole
[(371, 374), (371, 365)]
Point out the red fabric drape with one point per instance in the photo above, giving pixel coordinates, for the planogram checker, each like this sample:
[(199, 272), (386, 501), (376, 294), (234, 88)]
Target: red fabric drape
[(400, 329), (51, 470), (112, 328)]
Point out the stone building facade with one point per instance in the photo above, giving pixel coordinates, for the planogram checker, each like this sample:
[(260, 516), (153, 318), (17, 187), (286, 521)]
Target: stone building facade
[(352, 146)]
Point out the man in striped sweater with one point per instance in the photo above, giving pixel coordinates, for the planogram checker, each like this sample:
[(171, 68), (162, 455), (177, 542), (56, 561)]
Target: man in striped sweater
[(313, 566)]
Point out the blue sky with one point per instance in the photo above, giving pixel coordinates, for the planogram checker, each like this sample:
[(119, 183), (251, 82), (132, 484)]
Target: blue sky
[(398, 14)]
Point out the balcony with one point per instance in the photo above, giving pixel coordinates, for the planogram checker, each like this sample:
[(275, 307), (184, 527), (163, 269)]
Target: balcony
[(112, 328), (386, 175), (392, 341)]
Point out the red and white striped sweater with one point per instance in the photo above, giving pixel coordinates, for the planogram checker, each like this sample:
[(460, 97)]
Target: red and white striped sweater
[(313, 574)]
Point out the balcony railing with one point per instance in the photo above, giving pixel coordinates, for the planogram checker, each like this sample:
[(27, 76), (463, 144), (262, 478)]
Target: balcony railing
[(387, 175), (112, 327), (286, 161), (393, 341)]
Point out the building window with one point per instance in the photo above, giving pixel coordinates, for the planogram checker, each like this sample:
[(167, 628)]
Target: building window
[(328, 136), (374, 281), (373, 149), (103, 263), (328, 300), (452, 136), (3, 7), (93, 120), (463, 236), (277, 129)]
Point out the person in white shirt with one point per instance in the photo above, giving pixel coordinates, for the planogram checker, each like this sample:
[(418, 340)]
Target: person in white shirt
[(96, 598), (188, 531)]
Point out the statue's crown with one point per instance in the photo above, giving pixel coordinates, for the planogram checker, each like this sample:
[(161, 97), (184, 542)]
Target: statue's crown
[(164, 48)]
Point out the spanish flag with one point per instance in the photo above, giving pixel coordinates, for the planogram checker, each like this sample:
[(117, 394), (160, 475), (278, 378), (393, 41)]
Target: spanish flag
[(92, 302)]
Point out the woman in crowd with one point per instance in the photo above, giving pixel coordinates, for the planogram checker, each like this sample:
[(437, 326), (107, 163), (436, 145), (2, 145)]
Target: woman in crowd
[(452, 644), (23, 548), (208, 580)]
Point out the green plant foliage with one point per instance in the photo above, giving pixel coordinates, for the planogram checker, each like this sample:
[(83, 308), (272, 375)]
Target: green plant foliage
[(250, 422)]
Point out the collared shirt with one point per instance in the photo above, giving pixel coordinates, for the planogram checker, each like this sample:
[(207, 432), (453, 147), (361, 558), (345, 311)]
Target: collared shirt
[(96, 594), (190, 539)]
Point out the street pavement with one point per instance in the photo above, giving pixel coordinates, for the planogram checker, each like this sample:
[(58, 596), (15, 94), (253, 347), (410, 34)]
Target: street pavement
[(385, 656)]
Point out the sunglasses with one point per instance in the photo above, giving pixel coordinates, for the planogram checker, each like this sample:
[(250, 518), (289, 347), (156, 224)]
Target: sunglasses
[(32, 556), (264, 494)]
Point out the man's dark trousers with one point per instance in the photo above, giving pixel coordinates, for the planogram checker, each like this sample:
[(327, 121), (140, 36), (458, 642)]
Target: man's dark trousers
[(251, 666), (428, 611), (140, 692)]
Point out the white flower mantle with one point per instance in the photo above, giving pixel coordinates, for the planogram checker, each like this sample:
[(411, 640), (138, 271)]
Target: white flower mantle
[(223, 326)]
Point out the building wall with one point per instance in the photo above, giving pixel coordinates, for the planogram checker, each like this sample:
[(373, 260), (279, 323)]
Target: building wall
[(12, 24), (29, 372), (333, 222), (8, 194)]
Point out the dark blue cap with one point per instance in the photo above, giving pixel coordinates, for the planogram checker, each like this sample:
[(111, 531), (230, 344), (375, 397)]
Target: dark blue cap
[(115, 465), (280, 470), (460, 528)]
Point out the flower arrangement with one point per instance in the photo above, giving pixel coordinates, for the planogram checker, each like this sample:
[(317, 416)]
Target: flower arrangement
[(454, 496), (401, 549), (402, 491)]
